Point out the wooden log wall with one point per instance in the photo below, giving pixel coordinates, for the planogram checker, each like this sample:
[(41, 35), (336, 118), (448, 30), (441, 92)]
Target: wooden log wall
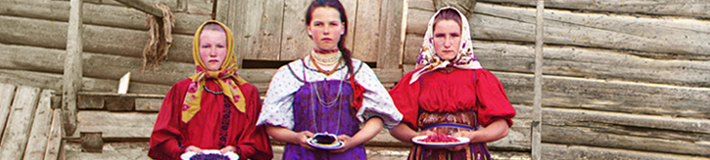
[(622, 79)]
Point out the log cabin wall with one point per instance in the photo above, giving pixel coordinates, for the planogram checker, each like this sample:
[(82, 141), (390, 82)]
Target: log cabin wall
[(622, 79)]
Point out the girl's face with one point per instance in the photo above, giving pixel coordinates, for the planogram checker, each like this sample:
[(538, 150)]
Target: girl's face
[(447, 39), (213, 49), (326, 28)]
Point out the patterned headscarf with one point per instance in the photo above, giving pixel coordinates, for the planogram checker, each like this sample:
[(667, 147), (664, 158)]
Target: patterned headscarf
[(465, 59), (226, 77)]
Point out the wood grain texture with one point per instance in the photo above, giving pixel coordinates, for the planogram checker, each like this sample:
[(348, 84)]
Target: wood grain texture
[(41, 124), (258, 35), (115, 124), (663, 38), (96, 39), (559, 151), (54, 139), (624, 97), (671, 8), (53, 81), (367, 30), (390, 37), (590, 63), (295, 42), (7, 94), (19, 123), (95, 14), (593, 63)]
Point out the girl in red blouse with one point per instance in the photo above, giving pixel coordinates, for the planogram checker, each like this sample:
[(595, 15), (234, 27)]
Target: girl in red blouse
[(451, 94)]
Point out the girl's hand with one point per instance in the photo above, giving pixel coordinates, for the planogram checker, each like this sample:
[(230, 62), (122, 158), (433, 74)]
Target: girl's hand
[(468, 134), (302, 139), (192, 148), (346, 146), (227, 149)]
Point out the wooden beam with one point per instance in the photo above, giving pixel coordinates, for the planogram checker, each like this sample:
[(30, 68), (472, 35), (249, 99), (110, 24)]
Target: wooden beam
[(7, 92), (142, 6), (16, 135), (675, 39), (390, 35), (54, 141), (41, 124), (72, 66), (695, 9), (537, 99)]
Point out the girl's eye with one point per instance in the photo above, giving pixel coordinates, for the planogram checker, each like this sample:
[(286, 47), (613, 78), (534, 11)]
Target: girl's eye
[(454, 35), (220, 46), (439, 35), (334, 23), (205, 46), (318, 24)]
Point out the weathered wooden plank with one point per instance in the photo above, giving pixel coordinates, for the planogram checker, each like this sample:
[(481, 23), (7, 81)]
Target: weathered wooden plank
[(7, 92), (613, 96), (148, 104), (582, 62), (142, 6), (422, 5), (464, 6), (669, 38), (594, 63), (95, 14), (54, 141), (295, 42), (97, 39), (90, 102), (652, 7), (200, 7), (173, 4), (120, 103), (71, 81), (367, 34), (14, 139), (560, 151), (115, 150), (621, 130), (391, 35), (115, 124), (95, 65), (258, 36), (53, 81), (39, 134), (412, 46)]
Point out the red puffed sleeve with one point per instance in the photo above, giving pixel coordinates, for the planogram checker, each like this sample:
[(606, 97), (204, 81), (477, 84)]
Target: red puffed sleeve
[(493, 102), (405, 97)]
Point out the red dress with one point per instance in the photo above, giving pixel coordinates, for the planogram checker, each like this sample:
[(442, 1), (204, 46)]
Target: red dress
[(216, 125), (446, 94)]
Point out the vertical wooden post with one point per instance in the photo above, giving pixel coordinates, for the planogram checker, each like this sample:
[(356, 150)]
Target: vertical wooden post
[(227, 12), (390, 34), (537, 99), (72, 67)]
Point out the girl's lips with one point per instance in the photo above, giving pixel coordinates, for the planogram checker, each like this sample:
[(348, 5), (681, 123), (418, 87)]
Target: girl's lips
[(213, 60), (327, 39)]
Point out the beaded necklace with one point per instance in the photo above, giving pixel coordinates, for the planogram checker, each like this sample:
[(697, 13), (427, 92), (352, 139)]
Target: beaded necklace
[(325, 103), (213, 92)]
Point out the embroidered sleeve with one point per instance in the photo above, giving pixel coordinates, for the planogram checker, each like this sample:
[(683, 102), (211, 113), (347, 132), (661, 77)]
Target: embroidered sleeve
[(376, 100), (277, 108)]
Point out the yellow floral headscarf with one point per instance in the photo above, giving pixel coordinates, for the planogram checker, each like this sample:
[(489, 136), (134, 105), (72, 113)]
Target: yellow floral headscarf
[(226, 77)]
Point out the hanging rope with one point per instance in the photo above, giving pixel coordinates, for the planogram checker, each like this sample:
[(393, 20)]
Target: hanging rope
[(156, 50)]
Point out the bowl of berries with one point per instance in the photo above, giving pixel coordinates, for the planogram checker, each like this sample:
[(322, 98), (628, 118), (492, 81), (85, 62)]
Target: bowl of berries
[(325, 141), (439, 140), (209, 155)]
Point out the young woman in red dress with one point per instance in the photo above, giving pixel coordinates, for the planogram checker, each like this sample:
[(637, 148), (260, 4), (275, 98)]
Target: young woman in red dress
[(451, 94), (212, 109)]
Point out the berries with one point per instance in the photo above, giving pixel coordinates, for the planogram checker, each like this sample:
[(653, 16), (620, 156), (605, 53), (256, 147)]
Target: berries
[(324, 139), (439, 138), (210, 156)]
